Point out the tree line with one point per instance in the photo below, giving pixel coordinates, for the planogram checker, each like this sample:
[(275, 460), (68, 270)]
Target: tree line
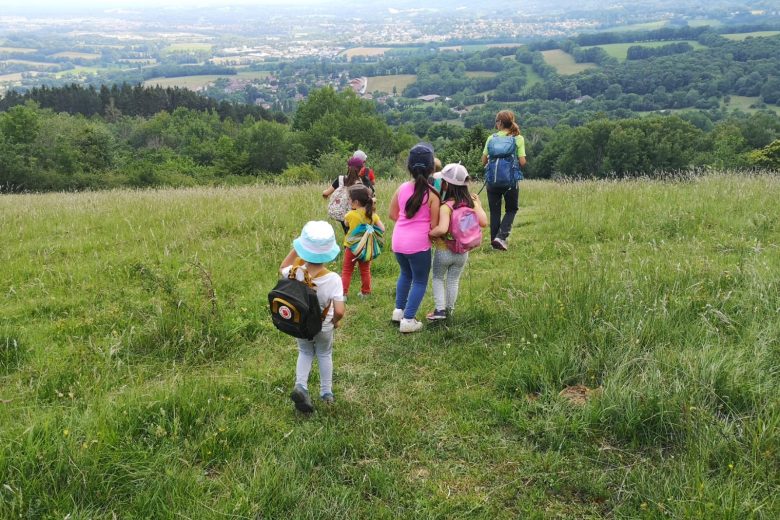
[(44, 149)]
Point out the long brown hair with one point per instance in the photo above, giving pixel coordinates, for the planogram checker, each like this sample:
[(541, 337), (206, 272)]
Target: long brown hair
[(458, 194), (506, 121), (353, 176), (362, 195), (420, 165)]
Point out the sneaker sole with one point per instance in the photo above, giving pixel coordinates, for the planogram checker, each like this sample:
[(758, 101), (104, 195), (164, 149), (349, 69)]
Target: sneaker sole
[(411, 331), (498, 246), (436, 318), (300, 402)]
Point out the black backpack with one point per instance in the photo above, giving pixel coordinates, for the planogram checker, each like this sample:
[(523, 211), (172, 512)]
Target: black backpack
[(295, 309)]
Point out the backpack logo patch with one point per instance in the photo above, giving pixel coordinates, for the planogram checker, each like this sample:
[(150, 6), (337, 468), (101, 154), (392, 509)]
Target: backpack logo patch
[(285, 312)]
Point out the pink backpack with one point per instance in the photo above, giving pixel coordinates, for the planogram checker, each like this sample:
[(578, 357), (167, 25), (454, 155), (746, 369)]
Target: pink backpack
[(464, 229)]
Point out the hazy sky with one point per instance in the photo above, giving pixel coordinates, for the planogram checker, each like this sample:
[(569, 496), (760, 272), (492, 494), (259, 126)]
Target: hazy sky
[(108, 4)]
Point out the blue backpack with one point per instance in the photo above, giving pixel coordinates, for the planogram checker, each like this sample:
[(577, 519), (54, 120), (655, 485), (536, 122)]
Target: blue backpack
[(502, 169)]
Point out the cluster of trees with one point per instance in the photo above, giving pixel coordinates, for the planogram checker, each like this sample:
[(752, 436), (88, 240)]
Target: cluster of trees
[(44, 150), (637, 52), (130, 100), (645, 146)]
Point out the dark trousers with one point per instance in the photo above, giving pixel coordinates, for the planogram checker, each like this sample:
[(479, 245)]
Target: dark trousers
[(500, 227)]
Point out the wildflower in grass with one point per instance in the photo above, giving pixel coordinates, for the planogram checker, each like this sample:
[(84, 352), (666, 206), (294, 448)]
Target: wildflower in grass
[(65, 432)]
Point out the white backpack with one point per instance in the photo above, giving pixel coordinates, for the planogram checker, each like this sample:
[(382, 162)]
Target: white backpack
[(338, 204)]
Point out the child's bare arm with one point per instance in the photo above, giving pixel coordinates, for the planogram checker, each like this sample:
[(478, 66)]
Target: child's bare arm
[(395, 209), (444, 223), (435, 203), (288, 260), (380, 225), (339, 309), (479, 210)]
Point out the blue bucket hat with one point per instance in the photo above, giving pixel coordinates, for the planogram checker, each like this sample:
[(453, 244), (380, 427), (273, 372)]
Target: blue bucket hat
[(420, 156), (317, 243)]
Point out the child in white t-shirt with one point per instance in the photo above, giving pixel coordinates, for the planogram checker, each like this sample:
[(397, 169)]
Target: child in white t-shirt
[(313, 249)]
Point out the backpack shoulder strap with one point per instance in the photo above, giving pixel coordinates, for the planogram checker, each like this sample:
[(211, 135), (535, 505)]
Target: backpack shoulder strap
[(327, 307), (322, 273)]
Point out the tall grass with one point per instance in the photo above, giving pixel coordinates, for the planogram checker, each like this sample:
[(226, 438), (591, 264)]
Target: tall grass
[(141, 377)]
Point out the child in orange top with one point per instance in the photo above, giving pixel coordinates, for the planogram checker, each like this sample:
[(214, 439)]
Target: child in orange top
[(362, 213)]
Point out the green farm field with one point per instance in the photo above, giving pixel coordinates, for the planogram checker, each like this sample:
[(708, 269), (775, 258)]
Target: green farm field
[(191, 82), (189, 47), (365, 51), (619, 50), (142, 378), (480, 74), (744, 103), (23, 50), (564, 62), (386, 83), (648, 26), (76, 55), (744, 36)]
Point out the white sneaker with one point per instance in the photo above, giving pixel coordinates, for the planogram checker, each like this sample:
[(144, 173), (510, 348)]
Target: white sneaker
[(499, 244), (411, 325), (398, 315)]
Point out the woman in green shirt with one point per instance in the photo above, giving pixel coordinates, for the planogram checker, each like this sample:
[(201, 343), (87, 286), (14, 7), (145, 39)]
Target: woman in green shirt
[(501, 227)]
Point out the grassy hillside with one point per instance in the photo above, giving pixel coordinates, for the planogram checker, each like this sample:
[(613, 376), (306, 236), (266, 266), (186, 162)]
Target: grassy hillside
[(386, 83), (564, 62), (620, 50), (141, 377)]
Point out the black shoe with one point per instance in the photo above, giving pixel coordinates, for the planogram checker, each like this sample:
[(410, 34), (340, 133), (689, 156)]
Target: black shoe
[(301, 399)]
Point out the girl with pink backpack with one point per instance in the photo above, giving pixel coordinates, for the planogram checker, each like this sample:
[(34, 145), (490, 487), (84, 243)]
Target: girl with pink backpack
[(461, 219)]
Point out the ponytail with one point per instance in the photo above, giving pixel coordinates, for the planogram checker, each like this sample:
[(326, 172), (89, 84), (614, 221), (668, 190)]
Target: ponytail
[(506, 118), (352, 176), (421, 188), (369, 206)]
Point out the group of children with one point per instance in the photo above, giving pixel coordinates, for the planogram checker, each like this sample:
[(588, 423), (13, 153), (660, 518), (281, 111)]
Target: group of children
[(422, 209)]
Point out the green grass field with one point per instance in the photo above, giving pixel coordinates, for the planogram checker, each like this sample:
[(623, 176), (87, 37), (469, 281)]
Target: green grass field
[(564, 62), (533, 77), (197, 82), (480, 74), (619, 50), (76, 55), (701, 22), (189, 47), (141, 377), (23, 50), (365, 51), (386, 83), (744, 103), (744, 36), (33, 64), (648, 26)]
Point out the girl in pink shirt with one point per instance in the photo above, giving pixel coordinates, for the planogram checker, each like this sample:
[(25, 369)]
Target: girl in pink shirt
[(415, 209)]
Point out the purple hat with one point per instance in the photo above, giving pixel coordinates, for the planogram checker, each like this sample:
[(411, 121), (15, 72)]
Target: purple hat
[(355, 162)]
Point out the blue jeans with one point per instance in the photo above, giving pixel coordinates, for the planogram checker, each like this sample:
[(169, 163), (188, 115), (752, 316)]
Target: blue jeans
[(412, 282)]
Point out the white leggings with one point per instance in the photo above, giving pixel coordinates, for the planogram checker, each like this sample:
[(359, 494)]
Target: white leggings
[(450, 265), (322, 346)]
